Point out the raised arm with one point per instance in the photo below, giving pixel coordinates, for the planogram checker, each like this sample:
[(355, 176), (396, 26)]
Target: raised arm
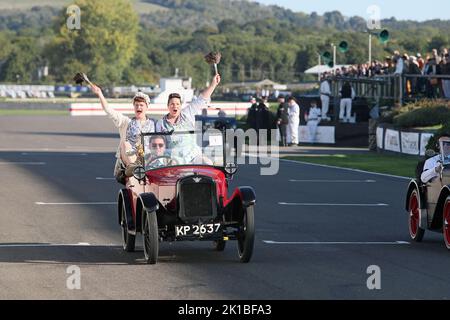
[(207, 93), (118, 118), (203, 99), (98, 92)]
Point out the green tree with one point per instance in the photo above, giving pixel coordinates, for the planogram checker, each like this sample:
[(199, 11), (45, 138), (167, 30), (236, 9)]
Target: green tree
[(6, 47), (22, 61), (438, 42), (306, 58), (103, 47)]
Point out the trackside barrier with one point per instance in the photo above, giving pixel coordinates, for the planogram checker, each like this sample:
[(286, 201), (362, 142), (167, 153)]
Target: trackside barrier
[(411, 142)]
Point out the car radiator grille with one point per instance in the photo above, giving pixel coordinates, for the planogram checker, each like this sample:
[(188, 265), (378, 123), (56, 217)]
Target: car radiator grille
[(197, 200)]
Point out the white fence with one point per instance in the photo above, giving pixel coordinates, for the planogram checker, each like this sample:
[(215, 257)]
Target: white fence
[(402, 141)]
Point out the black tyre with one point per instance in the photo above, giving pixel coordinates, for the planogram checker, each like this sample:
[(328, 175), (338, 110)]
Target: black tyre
[(446, 222), (128, 240), (416, 233), (246, 235), (150, 237), (219, 245)]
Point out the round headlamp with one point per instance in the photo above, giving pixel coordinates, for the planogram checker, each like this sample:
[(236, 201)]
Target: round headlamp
[(139, 173)]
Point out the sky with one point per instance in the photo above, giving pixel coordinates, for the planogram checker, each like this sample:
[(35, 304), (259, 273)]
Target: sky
[(400, 9)]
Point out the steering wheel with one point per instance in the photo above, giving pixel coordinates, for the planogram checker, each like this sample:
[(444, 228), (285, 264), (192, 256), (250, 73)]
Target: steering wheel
[(168, 161)]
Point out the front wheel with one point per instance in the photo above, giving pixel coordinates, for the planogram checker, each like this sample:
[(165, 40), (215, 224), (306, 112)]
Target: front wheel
[(246, 235), (446, 227), (415, 231), (150, 237), (128, 240)]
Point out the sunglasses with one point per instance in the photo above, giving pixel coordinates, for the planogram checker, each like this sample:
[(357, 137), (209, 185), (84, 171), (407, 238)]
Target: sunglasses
[(158, 145)]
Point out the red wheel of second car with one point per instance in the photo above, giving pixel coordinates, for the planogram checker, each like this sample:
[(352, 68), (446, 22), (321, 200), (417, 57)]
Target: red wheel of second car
[(415, 231), (446, 222)]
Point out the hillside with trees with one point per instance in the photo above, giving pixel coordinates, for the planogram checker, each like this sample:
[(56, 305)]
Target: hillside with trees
[(138, 47)]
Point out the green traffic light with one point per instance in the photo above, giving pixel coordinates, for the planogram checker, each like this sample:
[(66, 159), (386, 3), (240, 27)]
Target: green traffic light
[(343, 46), (326, 56), (384, 36)]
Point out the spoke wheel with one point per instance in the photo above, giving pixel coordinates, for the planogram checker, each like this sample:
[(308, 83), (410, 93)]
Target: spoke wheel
[(446, 226), (415, 231)]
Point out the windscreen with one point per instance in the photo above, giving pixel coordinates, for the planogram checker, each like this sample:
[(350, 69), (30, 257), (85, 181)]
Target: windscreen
[(183, 148), (445, 152)]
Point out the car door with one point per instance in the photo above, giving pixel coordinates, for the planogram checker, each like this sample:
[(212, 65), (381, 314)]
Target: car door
[(433, 191)]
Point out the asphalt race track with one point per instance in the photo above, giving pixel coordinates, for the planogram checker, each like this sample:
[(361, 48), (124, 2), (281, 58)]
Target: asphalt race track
[(315, 239)]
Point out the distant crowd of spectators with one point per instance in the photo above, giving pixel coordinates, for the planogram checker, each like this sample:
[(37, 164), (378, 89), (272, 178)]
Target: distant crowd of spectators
[(436, 63)]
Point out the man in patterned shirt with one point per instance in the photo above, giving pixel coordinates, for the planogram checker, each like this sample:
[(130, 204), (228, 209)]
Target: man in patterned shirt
[(183, 119)]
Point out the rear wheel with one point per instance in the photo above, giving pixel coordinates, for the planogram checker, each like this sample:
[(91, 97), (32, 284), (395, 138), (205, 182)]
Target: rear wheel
[(446, 227), (219, 245), (246, 235), (415, 231), (150, 237), (128, 240)]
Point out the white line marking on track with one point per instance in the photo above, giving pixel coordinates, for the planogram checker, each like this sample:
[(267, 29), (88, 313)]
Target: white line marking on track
[(327, 166), (334, 181), (47, 245), (334, 204), (24, 163), (75, 203), (100, 178), (336, 243), (346, 169)]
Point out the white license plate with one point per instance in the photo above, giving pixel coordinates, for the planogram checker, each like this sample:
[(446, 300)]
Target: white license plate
[(197, 230)]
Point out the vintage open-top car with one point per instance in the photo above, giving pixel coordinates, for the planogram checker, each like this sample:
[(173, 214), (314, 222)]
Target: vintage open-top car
[(180, 192), (428, 204)]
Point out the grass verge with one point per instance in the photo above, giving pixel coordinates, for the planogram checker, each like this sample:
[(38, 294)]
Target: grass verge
[(403, 166)]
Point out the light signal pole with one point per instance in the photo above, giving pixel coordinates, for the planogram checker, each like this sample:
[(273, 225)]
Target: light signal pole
[(383, 36), (334, 58)]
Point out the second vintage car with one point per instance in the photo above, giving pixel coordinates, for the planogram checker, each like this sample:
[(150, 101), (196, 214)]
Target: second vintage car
[(428, 204)]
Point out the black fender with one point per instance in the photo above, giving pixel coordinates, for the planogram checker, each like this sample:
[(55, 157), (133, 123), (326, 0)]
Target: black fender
[(147, 202), (125, 199), (248, 196), (242, 198), (415, 184), (436, 224)]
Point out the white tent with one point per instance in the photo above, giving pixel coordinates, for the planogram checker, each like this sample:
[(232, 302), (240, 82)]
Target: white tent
[(323, 68)]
